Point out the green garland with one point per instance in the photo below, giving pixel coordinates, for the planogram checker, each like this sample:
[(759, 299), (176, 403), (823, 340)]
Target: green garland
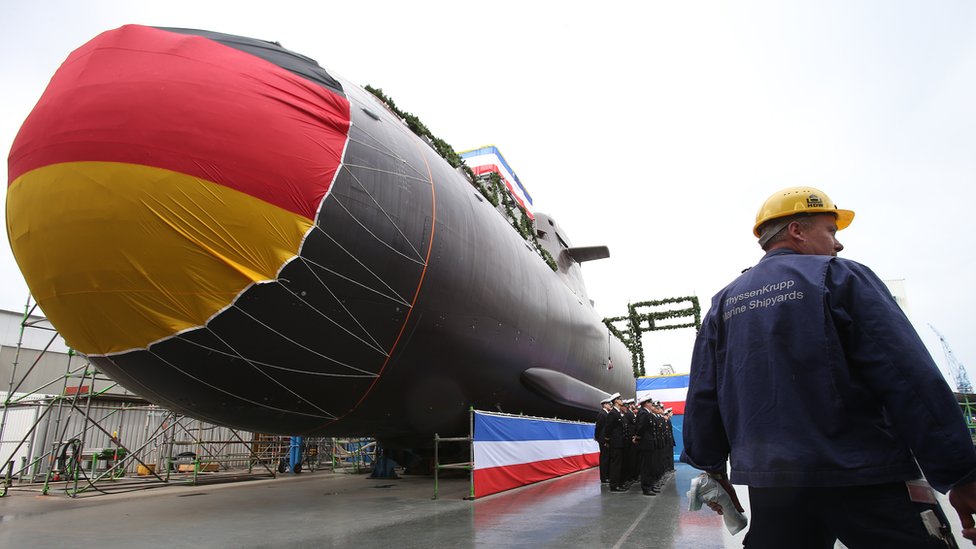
[(496, 193), (491, 187), (446, 151), (637, 323)]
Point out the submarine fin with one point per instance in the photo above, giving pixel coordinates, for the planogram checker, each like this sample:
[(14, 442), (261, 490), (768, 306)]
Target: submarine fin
[(588, 253), (563, 389)]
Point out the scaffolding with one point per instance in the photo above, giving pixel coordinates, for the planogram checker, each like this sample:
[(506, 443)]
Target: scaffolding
[(275, 451), (81, 433), (356, 455), (316, 452), (967, 403), (456, 466)]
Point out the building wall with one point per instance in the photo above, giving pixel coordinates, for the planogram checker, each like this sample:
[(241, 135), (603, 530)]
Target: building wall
[(36, 336), (31, 369)]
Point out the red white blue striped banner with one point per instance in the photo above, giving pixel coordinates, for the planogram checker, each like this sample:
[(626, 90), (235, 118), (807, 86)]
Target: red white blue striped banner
[(671, 390), (489, 168), (489, 159), (512, 451)]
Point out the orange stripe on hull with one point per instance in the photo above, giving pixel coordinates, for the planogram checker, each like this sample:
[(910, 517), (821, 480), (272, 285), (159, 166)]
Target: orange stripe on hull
[(120, 255)]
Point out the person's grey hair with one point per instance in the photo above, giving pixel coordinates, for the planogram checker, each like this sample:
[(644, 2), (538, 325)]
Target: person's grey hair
[(774, 230)]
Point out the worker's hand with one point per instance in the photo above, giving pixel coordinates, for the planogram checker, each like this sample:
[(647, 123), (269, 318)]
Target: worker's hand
[(727, 486), (963, 500)]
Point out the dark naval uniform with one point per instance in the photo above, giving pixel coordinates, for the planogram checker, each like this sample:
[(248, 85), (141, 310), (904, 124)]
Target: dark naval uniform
[(614, 436), (662, 452), (630, 448), (598, 436), (669, 443), (646, 442)]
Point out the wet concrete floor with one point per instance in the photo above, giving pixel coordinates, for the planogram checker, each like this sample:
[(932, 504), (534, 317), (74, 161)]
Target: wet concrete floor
[(325, 509)]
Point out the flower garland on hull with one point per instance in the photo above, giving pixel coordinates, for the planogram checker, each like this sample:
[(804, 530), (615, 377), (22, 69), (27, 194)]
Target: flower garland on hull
[(489, 185), (637, 322)]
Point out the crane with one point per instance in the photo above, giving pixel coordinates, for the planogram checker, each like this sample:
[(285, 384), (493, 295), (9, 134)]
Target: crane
[(956, 369)]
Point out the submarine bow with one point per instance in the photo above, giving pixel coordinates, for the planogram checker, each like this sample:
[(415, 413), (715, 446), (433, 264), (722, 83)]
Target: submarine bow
[(228, 230)]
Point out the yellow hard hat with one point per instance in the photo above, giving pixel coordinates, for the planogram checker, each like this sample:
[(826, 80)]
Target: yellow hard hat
[(796, 200)]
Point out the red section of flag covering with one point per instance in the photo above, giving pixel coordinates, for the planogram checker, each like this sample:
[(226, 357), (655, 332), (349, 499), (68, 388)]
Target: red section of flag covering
[(498, 479), (188, 104)]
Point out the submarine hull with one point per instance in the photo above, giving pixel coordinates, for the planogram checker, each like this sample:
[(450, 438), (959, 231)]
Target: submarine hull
[(396, 297)]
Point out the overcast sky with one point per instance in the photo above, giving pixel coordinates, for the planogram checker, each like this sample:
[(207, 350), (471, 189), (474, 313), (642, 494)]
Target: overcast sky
[(656, 128)]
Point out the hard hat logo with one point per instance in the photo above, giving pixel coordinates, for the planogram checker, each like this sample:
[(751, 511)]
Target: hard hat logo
[(798, 200)]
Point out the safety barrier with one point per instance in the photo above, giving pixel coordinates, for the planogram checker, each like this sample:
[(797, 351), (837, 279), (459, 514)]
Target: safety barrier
[(509, 451)]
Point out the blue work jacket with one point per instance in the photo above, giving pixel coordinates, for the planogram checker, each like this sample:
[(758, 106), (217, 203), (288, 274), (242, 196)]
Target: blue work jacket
[(807, 373)]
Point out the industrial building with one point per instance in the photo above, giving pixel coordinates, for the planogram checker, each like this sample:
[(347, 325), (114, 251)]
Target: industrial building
[(66, 427)]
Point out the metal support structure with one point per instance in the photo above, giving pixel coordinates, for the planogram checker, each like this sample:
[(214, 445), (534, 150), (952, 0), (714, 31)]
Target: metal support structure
[(968, 406), (75, 434), (356, 452), (465, 465), (956, 369), (313, 452), (650, 316)]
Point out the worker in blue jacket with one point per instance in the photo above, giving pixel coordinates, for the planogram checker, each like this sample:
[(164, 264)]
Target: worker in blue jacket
[(808, 376)]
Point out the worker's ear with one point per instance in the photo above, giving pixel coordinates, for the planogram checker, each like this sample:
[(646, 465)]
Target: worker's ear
[(796, 231)]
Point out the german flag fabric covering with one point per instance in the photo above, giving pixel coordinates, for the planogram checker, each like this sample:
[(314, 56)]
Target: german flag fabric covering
[(162, 173)]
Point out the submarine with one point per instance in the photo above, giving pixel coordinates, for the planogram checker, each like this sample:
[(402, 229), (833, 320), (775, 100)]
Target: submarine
[(230, 231)]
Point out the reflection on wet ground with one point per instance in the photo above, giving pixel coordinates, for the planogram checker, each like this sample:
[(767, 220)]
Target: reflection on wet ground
[(341, 510), (325, 509), (578, 511)]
